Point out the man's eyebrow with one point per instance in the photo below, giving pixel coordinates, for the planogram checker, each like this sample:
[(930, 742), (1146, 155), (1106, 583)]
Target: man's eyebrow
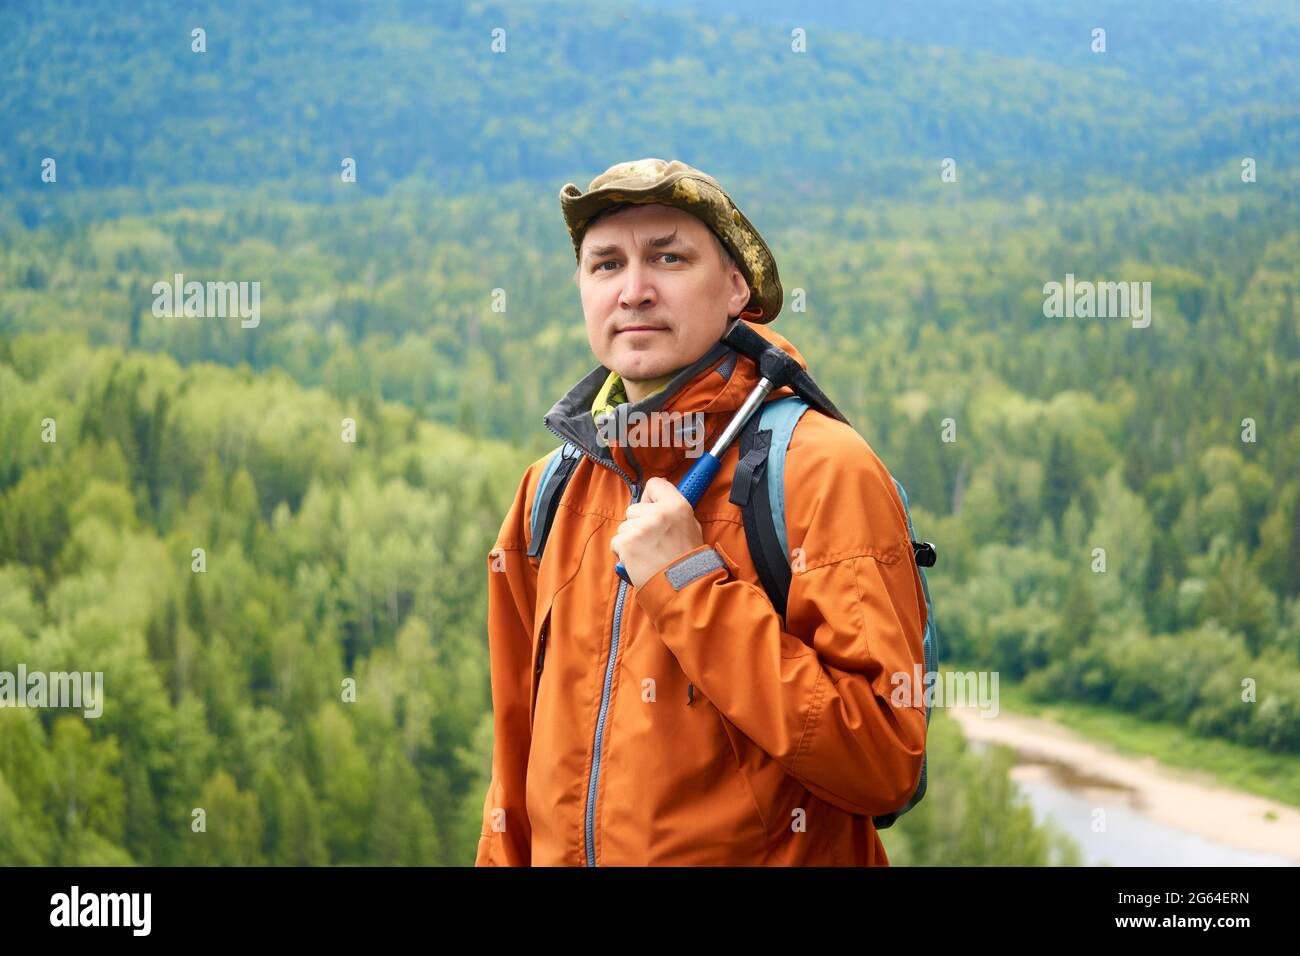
[(656, 242)]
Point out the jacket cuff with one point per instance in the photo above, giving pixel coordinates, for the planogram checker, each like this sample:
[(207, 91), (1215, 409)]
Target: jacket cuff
[(706, 563)]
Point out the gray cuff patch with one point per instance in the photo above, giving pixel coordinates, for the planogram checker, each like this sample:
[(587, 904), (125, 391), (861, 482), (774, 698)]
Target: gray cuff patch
[(696, 566)]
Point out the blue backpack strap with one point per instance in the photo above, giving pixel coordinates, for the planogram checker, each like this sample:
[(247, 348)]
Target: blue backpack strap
[(931, 639), (780, 417), (550, 489)]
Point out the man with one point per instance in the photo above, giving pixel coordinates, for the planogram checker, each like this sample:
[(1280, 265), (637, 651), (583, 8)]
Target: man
[(682, 721)]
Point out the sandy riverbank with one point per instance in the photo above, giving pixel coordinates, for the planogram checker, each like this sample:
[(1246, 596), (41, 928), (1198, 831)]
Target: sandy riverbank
[(1175, 797)]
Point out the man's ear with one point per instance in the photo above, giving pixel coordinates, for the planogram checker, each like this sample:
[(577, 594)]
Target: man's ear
[(749, 293)]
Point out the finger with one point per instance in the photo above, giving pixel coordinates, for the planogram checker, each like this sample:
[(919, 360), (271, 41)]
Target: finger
[(629, 529), (647, 512), (659, 489)]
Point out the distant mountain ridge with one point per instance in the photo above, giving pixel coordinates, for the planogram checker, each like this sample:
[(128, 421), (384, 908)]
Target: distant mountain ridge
[(285, 92)]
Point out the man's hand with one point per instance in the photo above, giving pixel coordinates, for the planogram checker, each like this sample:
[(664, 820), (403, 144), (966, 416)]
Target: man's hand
[(658, 529)]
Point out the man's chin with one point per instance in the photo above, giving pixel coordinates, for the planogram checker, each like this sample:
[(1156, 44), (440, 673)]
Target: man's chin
[(640, 370)]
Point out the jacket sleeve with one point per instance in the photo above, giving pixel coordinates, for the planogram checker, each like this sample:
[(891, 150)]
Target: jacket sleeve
[(825, 699), (506, 835)]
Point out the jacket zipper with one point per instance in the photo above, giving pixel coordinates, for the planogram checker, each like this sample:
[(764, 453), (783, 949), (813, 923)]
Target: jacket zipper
[(593, 779)]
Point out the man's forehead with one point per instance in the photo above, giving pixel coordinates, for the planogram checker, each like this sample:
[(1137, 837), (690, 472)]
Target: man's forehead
[(673, 226)]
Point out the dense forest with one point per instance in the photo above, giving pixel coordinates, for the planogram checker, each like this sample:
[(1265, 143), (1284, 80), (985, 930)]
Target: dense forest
[(1117, 508)]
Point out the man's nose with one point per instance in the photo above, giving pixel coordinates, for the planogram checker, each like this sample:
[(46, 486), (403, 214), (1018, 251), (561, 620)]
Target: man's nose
[(638, 289)]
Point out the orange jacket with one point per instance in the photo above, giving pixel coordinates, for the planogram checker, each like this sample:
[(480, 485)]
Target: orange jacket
[(786, 742)]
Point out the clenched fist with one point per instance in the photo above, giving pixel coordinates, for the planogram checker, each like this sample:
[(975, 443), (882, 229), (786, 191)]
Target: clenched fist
[(658, 529)]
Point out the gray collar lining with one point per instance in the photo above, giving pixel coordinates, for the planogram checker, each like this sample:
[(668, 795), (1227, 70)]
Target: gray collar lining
[(571, 415)]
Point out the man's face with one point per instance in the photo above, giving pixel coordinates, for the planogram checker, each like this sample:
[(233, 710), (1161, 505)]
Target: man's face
[(654, 292)]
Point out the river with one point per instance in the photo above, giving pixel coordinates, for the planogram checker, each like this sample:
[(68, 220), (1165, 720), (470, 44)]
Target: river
[(1151, 815)]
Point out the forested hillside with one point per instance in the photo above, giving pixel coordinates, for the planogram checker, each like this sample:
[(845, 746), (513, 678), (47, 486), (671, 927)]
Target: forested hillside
[(322, 560)]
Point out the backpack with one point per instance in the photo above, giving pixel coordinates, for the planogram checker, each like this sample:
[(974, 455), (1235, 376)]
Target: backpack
[(758, 487)]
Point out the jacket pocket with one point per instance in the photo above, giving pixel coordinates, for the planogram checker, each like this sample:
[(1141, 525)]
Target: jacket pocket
[(736, 741), (538, 665)]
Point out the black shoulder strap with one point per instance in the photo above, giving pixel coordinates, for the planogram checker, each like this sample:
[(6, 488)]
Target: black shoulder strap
[(749, 491), (550, 494)]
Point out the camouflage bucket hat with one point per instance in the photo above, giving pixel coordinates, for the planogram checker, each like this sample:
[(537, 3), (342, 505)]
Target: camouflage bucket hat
[(676, 184)]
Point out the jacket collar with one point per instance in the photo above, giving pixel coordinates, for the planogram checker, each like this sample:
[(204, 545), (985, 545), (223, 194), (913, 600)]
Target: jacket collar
[(715, 384)]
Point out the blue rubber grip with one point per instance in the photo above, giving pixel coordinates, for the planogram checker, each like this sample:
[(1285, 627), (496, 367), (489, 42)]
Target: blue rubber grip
[(699, 478), (693, 486)]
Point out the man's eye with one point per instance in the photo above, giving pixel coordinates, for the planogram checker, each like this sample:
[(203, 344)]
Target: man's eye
[(600, 266), (673, 254)]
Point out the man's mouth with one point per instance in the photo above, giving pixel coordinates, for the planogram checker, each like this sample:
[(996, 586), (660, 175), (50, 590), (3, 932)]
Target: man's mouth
[(642, 328)]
